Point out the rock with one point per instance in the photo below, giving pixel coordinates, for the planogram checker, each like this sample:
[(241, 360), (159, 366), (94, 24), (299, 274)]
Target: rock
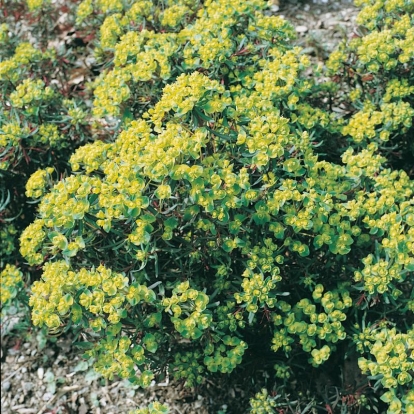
[(9, 358), (27, 386), (47, 396), (5, 386), (83, 409), (301, 29), (49, 352), (40, 373)]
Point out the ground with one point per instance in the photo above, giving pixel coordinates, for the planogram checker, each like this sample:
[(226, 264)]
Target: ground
[(51, 378)]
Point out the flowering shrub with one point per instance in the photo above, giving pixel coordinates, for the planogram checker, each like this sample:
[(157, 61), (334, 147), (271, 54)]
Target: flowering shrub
[(211, 215), (376, 65), (42, 119), (37, 120)]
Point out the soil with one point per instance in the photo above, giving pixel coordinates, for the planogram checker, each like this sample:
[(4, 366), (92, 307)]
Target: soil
[(42, 377)]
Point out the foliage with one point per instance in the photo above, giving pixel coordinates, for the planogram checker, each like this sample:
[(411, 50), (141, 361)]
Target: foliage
[(376, 66), (222, 202)]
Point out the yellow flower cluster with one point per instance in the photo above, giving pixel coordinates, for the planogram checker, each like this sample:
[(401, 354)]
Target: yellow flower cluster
[(174, 15), (86, 8), (36, 4), (393, 361), (11, 281), (370, 15), (256, 291), (116, 356), (48, 134), (271, 28), (279, 75), (189, 302), (262, 403), (310, 117), (11, 134), (367, 123), (312, 326), (31, 241), (36, 185), (103, 295), (153, 408), (77, 116), (267, 139), (107, 6), (185, 93), (141, 56), (29, 91), (377, 276), (378, 48), (4, 33), (225, 356), (397, 89), (98, 297), (336, 59), (24, 54)]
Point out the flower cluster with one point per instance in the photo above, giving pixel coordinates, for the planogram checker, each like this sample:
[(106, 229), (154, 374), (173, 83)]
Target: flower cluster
[(391, 360), (158, 54), (192, 304), (370, 123), (38, 116), (311, 326), (187, 366), (7, 240), (263, 403), (153, 408), (11, 282), (36, 185), (378, 75)]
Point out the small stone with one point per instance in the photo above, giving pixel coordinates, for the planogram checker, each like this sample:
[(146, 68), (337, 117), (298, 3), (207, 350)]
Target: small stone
[(301, 29), (28, 386), (83, 409), (49, 352), (5, 386), (40, 373), (47, 396)]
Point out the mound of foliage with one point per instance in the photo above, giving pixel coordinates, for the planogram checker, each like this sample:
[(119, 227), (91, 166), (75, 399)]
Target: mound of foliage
[(222, 211)]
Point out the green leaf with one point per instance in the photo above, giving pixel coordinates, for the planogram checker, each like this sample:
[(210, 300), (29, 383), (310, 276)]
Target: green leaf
[(171, 223), (83, 345), (150, 343), (81, 366), (304, 250), (127, 116)]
